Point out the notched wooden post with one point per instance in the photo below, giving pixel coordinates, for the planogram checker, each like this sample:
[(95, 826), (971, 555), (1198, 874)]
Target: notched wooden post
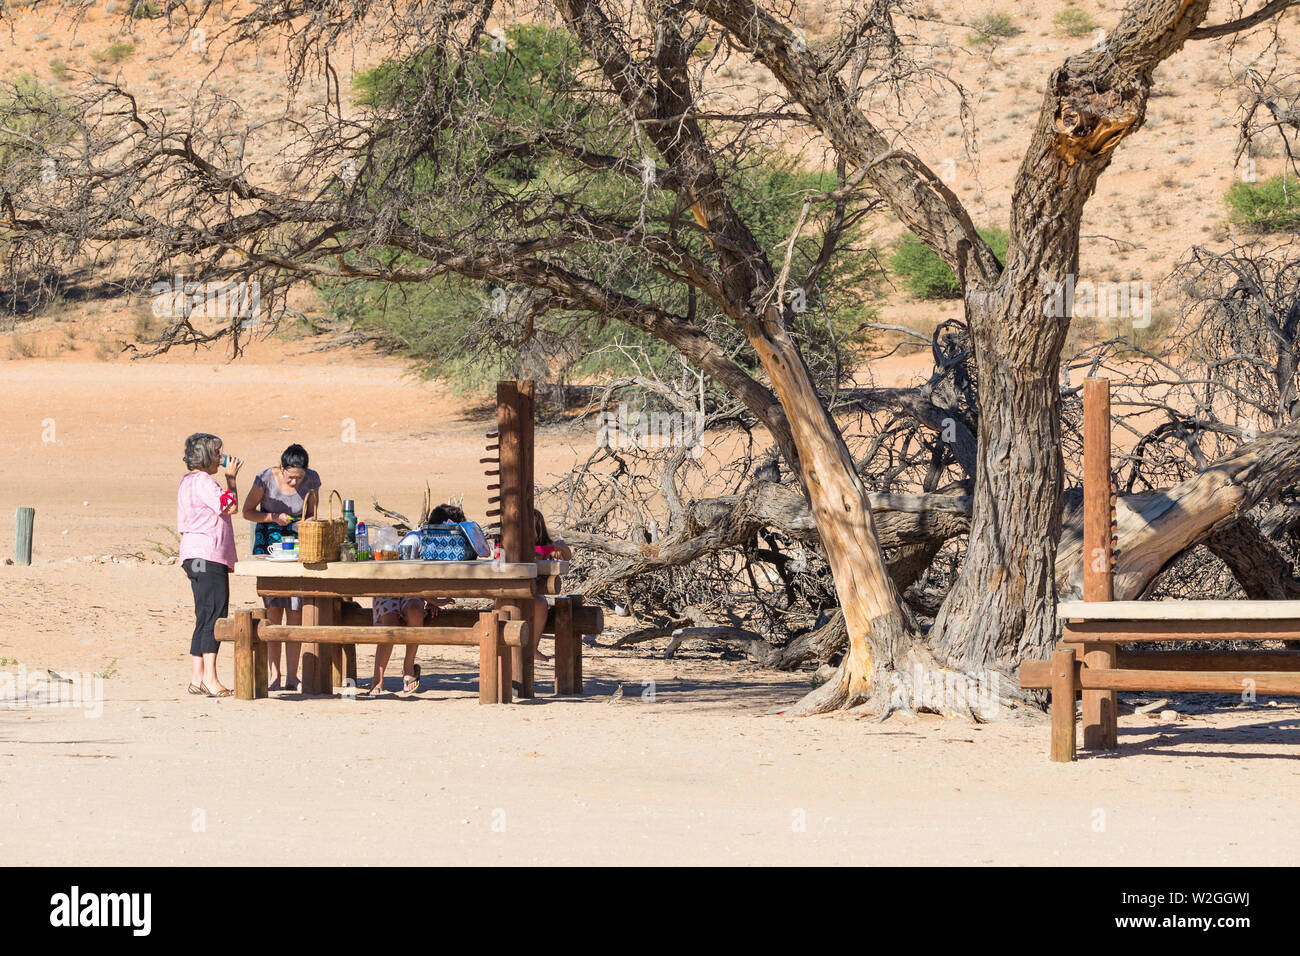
[(1099, 706)]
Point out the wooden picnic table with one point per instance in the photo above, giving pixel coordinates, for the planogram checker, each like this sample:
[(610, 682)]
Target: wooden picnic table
[(331, 628), (329, 635)]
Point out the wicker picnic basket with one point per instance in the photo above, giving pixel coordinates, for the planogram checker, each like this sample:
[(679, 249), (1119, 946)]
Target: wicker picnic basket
[(321, 539)]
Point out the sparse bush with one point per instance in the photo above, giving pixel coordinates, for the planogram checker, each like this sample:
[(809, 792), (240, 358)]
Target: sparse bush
[(1074, 22), (993, 27), (20, 347), (1270, 206), (925, 276), (59, 69), (144, 327), (114, 53)]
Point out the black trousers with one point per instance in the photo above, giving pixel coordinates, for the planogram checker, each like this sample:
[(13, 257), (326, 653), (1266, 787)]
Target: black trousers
[(210, 582)]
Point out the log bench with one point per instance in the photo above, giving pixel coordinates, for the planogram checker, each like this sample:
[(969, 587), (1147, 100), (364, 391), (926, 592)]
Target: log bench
[(329, 655), (1088, 659)]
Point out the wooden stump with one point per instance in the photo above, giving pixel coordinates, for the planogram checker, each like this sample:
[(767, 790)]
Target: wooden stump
[(250, 679), (24, 521), (1062, 706), (489, 659)]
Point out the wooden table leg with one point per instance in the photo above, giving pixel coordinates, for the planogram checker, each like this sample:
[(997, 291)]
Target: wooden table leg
[(338, 673), (564, 641), (1100, 727), (521, 658), (313, 614), (261, 677), (505, 688), (350, 663)]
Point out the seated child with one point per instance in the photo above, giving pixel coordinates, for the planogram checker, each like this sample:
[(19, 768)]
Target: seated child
[(548, 549), (411, 612)]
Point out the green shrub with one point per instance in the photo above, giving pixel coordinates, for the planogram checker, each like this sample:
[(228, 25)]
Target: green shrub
[(115, 53), (1270, 206), (145, 10), (993, 27), (924, 275), (59, 69), (1074, 22)]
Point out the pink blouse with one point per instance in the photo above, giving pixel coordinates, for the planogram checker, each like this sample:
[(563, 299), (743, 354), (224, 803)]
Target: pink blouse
[(205, 532)]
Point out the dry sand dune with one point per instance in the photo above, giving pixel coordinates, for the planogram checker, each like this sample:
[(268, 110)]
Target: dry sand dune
[(685, 770)]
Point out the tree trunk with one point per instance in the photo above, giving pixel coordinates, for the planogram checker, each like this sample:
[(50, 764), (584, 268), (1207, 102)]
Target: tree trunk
[(1155, 527), (879, 631), (1003, 606), (1259, 567)]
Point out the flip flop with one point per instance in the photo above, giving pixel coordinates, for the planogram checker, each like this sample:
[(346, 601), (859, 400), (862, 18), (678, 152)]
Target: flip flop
[(410, 685), (224, 692), (194, 689)]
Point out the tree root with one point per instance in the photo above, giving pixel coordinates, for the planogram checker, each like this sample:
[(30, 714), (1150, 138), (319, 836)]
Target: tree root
[(919, 684)]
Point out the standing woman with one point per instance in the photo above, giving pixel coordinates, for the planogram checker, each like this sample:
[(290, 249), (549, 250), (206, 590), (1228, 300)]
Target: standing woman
[(278, 497), (207, 551)]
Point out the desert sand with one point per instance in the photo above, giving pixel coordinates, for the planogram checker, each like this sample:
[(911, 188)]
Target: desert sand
[(685, 766)]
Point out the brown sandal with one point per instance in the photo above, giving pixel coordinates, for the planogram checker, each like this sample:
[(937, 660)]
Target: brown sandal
[(224, 692), (195, 689)]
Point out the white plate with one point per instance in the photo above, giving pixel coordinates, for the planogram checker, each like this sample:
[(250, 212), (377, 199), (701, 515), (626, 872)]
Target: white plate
[(283, 556)]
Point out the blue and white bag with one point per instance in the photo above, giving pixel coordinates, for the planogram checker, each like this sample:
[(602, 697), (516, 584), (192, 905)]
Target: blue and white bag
[(445, 542)]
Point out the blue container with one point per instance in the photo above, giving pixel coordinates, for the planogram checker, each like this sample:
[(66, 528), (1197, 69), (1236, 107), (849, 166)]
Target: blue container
[(445, 542)]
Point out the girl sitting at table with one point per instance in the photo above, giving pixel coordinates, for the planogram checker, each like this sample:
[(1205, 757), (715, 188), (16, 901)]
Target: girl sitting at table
[(548, 549), (411, 612), (279, 497)]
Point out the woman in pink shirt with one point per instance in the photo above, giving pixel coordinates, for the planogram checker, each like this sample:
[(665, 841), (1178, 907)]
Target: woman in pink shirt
[(207, 551)]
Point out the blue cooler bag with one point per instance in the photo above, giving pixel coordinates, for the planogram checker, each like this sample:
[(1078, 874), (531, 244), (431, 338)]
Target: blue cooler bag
[(445, 542)]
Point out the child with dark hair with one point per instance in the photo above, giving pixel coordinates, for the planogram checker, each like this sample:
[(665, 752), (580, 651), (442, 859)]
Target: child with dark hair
[(447, 514), (548, 549)]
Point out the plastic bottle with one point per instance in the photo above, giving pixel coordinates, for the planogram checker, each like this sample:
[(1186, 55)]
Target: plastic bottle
[(363, 539)]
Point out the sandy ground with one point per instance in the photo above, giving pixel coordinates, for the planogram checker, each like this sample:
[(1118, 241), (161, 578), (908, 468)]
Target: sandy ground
[(687, 769)]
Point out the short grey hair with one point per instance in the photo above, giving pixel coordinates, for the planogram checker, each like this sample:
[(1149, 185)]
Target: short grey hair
[(201, 450)]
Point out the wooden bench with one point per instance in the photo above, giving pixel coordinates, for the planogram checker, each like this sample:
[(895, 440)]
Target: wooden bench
[(329, 659), (1088, 658)]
